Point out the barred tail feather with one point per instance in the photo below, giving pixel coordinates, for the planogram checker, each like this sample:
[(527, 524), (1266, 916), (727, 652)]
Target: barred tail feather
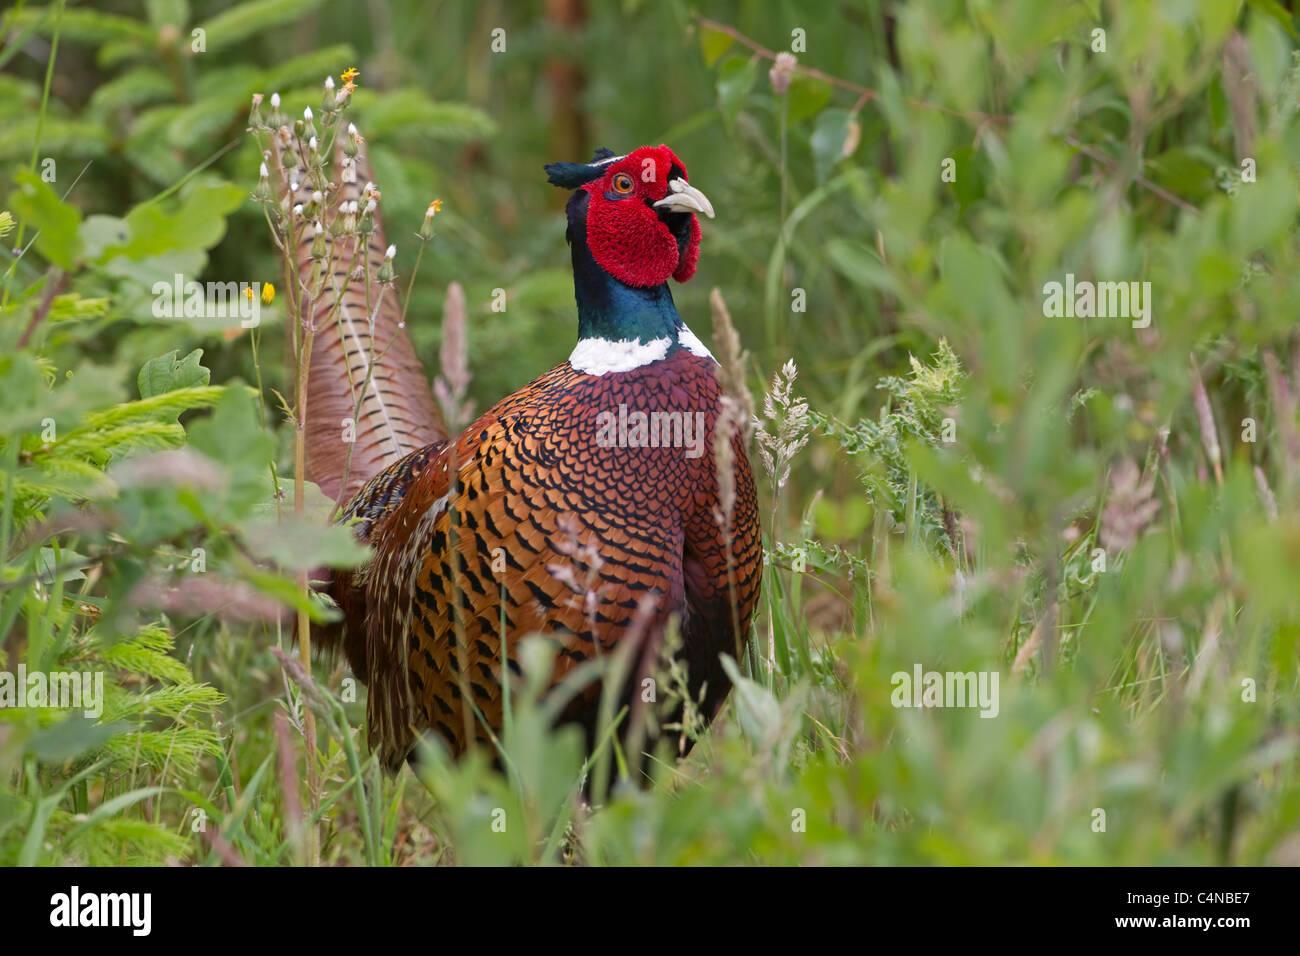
[(369, 404), (362, 369)]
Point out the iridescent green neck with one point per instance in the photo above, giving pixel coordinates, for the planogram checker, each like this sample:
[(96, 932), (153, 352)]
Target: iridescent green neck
[(610, 309)]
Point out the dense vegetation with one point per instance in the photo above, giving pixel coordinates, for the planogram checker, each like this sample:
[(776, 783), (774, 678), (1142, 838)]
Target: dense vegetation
[(1103, 510)]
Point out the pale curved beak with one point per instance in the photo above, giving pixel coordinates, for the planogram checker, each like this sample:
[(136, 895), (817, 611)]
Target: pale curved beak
[(683, 197)]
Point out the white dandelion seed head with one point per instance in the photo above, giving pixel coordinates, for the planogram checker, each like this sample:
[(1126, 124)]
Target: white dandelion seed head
[(306, 113), (275, 101)]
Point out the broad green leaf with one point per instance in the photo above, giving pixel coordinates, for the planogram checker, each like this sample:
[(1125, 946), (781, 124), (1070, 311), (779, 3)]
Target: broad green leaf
[(861, 265), (828, 140), (71, 737), (713, 43), (166, 373), (234, 437), (410, 111), (164, 13), (310, 68), (246, 20), (113, 806), (807, 96), (199, 222), (132, 89), (68, 141), (57, 221), (300, 545), (971, 170), (735, 79), (1183, 173), (49, 560), (81, 24), (757, 709), (233, 431), (100, 234), (1263, 210), (1272, 8)]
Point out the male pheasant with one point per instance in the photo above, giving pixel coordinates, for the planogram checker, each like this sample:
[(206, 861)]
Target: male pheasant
[(584, 507)]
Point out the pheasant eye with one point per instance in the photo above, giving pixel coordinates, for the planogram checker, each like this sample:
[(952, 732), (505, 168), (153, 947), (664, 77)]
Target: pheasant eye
[(622, 183)]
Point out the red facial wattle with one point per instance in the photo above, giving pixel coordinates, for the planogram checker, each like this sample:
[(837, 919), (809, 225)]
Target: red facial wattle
[(688, 260), (627, 235)]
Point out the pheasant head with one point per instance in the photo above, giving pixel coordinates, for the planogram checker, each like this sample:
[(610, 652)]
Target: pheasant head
[(632, 223)]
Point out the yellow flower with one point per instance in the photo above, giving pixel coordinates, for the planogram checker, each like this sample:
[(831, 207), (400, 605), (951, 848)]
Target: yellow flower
[(268, 293), (349, 77), (426, 227)]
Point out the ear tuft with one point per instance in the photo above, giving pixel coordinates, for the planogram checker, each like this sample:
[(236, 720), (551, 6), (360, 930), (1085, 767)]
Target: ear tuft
[(571, 175), (574, 175)]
